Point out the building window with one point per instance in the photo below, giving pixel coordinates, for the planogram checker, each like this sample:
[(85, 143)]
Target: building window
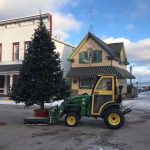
[(26, 46), (96, 56), (0, 52), (83, 58), (90, 57), (1, 81), (87, 83), (75, 81), (15, 52)]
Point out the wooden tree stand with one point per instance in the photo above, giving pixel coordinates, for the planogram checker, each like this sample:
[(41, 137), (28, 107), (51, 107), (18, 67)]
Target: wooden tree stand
[(40, 116), (41, 113)]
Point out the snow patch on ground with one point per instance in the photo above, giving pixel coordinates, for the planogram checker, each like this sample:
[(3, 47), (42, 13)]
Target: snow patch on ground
[(142, 102), (144, 95), (137, 104), (11, 102)]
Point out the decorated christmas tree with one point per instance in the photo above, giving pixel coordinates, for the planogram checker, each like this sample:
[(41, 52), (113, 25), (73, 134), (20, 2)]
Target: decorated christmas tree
[(41, 77)]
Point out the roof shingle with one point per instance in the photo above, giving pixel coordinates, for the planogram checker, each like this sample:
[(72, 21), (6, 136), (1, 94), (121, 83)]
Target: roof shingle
[(100, 70)]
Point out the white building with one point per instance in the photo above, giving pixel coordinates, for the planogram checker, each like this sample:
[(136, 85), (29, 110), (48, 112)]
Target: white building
[(15, 35)]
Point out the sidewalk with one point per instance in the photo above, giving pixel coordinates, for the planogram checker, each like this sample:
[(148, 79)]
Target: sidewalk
[(6, 100)]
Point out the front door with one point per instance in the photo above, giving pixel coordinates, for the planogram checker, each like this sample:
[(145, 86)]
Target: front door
[(103, 93), (2, 84)]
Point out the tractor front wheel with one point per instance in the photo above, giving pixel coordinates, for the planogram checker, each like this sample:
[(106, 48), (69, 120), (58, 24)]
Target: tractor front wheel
[(114, 118), (71, 119)]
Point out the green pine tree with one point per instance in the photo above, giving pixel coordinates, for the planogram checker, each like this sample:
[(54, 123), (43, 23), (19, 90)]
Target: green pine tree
[(41, 77)]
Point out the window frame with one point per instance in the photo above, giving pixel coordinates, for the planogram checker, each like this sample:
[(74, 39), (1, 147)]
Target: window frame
[(13, 55), (81, 54), (100, 58), (90, 82), (0, 52), (92, 60), (25, 49)]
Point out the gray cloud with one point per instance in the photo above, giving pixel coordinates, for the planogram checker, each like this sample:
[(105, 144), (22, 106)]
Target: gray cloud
[(63, 23), (17, 8), (138, 54)]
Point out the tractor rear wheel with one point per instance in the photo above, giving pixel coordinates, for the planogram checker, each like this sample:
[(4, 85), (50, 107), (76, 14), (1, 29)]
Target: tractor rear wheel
[(79, 116), (114, 118), (71, 119)]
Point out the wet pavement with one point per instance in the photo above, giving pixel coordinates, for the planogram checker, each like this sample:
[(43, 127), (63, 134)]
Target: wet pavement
[(90, 134)]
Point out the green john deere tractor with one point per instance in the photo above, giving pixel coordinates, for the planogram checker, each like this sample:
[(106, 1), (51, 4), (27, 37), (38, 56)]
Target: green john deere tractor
[(105, 102)]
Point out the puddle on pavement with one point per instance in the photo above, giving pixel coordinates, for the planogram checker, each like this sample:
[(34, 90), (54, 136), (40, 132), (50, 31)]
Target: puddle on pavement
[(44, 134), (138, 117), (54, 132), (3, 123), (138, 122), (146, 117), (78, 140)]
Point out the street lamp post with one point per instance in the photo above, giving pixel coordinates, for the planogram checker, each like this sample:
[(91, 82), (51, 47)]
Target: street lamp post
[(131, 69)]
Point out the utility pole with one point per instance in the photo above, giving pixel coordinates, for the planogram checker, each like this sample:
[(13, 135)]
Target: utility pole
[(131, 69)]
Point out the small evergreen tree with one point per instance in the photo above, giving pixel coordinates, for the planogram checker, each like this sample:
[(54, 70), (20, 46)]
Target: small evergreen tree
[(41, 77)]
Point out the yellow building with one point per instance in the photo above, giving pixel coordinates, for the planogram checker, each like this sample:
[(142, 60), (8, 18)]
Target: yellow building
[(94, 57)]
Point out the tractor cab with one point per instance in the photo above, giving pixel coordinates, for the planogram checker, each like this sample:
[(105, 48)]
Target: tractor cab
[(104, 93), (106, 101)]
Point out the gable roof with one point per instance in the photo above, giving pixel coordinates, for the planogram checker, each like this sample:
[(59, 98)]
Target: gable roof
[(101, 43), (59, 41), (117, 47)]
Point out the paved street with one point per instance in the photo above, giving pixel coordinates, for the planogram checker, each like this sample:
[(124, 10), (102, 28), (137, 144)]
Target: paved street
[(91, 134)]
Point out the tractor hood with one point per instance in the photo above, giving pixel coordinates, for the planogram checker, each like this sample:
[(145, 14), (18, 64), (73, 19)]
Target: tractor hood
[(78, 99)]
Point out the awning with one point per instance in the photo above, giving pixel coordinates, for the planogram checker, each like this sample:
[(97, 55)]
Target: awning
[(100, 70), (10, 69)]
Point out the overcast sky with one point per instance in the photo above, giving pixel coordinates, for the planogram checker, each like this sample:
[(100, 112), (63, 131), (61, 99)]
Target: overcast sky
[(125, 21)]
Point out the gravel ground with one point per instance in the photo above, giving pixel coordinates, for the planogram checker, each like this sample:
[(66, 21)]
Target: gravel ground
[(91, 134)]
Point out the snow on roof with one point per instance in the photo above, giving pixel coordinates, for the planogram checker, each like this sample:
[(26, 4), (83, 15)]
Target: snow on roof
[(59, 41)]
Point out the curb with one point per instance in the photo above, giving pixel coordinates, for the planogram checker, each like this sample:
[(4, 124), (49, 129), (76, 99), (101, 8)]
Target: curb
[(6, 100)]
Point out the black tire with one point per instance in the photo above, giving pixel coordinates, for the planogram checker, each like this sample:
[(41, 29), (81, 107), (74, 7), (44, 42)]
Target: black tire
[(114, 118), (72, 119), (79, 117)]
